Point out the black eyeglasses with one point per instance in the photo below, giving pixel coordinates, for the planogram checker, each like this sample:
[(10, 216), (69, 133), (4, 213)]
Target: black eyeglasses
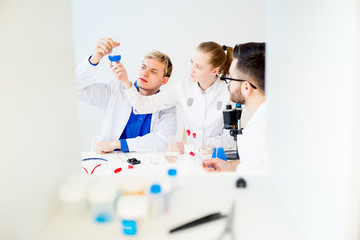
[(228, 79)]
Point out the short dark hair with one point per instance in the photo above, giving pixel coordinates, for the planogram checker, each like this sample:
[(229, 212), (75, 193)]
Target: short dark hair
[(251, 61)]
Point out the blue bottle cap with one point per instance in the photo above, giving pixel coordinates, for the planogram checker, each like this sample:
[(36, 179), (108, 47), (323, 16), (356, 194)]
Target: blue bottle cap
[(238, 105), (172, 172), (129, 227), (155, 188)]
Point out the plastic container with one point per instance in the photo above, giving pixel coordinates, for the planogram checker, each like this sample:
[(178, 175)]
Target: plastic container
[(73, 199), (132, 186), (169, 187), (131, 212), (102, 198), (156, 201), (173, 175)]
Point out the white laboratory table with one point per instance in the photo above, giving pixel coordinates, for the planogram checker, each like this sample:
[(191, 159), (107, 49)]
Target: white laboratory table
[(258, 213), (118, 160)]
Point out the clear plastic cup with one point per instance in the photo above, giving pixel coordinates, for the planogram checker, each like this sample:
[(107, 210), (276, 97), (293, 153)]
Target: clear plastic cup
[(102, 198)]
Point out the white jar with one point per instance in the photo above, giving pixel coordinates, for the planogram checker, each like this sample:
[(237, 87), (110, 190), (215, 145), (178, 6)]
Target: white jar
[(72, 196), (131, 212)]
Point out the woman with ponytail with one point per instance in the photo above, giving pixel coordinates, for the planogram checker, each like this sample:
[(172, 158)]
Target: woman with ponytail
[(201, 98)]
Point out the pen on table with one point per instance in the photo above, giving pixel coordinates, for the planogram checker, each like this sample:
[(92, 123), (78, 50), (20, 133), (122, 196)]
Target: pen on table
[(208, 218)]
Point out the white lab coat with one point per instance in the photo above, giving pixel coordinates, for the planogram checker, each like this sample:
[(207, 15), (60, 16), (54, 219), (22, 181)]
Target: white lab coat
[(117, 110), (202, 110), (252, 144)]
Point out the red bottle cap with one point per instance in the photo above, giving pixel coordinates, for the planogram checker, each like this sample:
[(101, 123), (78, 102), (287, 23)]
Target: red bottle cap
[(192, 153), (194, 135), (188, 132), (131, 166), (117, 170)]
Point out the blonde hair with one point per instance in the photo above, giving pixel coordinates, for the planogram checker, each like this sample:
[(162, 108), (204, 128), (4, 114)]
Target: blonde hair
[(163, 58), (220, 56)]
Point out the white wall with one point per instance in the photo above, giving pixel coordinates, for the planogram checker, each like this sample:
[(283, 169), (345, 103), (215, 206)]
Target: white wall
[(173, 27), (313, 95), (39, 132)]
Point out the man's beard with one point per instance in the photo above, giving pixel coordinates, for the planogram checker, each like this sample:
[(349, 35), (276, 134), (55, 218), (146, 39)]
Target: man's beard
[(237, 97)]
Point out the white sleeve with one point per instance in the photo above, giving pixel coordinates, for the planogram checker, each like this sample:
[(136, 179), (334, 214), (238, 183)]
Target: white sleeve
[(164, 128), (252, 148), (149, 104), (88, 90), (227, 140)]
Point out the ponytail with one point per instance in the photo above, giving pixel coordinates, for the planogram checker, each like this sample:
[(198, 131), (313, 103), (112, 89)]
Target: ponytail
[(220, 56)]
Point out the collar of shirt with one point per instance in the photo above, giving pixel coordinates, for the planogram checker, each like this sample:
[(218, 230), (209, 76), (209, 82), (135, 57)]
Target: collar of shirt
[(209, 89), (137, 88)]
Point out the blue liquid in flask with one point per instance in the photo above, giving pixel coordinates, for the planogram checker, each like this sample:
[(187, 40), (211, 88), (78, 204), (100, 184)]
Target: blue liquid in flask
[(219, 153), (114, 58)]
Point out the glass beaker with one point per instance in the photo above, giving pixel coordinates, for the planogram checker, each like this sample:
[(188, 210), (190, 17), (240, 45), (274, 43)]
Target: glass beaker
[(172, 153), (114, 55), (219, 150)]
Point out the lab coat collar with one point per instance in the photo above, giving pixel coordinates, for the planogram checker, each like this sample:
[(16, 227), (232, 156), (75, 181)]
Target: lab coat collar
[(137, 88), (209, 89), (258, 113)]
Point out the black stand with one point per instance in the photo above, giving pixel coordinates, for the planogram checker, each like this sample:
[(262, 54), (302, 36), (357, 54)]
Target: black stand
[(233, 154)]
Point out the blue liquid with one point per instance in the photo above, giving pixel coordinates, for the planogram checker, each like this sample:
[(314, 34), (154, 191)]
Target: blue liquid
[(114, 58), (219, 153), (103, 218)]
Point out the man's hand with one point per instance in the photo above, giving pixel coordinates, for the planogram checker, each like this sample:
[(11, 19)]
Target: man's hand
[(219, 165), (107, 146), (180, 146), (121, 74), (103, 47)]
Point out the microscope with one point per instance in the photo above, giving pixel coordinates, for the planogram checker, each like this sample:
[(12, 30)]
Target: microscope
[(232, 118)]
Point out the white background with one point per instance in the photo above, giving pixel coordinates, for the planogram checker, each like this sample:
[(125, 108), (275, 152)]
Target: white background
[(173, 27), (313, 59)]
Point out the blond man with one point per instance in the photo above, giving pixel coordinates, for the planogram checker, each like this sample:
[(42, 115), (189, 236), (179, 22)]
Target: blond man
[(123, 129)]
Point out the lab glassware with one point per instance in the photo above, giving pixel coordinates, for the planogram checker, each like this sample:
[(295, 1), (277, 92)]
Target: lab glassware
[(172, 153), (115, 55), (219, 150)]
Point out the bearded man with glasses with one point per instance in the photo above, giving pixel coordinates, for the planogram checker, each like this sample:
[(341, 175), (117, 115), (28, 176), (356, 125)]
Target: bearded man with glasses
[(246, 84)]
